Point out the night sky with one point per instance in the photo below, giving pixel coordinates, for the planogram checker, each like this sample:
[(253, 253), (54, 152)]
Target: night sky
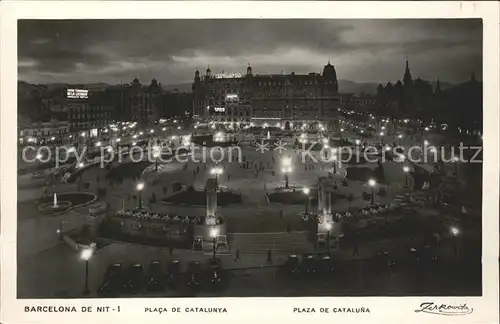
[(114, 51)]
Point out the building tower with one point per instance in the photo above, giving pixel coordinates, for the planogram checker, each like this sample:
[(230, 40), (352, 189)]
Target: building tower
[(196, 76), (330, 76), (208, 73), (197, 95), (407, 79), (249, 69)]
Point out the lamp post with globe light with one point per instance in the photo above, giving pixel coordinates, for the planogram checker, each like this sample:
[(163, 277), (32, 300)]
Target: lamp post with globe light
[(306, 192), (213, 235), (328, 227), (156, 155), (406, 169), (85, 255), (217, 171), (454, 233), (372, 183), (455, 164), (287, 168), (139, 187)]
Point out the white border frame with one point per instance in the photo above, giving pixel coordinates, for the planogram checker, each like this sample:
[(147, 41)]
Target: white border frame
[(387, 309)]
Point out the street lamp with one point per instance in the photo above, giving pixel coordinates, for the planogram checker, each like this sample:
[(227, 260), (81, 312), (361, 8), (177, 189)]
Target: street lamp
[(455, 232), (139, 187), (455, 162), (306, 192), (372, 183), (217, 171), (85, 255), (328, 227), (287, 168), (406, 169), (156, 154), (213, 234)]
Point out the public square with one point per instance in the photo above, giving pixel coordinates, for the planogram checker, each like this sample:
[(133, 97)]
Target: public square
[(257, 228), (310, 169)]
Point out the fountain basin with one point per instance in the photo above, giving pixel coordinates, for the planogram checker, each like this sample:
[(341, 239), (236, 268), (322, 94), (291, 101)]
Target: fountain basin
[(50, 208), (62, 202)]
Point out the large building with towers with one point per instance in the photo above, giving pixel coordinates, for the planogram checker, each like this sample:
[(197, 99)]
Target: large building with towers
[(283, 100)]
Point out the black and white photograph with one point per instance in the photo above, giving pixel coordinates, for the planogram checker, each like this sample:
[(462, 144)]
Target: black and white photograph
[(169, 158)]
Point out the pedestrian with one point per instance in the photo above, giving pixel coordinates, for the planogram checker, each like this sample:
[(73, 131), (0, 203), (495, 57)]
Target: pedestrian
[(237, 255), (288, 229), (281, 214), (170, 251), (355, 251), (269, 257)]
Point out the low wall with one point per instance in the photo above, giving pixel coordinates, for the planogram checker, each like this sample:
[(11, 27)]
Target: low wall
[(206, 230), (71, 243), (152, 229)]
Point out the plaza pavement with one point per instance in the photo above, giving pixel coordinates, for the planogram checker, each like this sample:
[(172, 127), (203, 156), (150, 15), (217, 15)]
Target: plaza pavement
[(47, 266)]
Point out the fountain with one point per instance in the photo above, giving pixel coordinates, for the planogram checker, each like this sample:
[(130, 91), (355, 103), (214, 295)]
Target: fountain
[(54, 206)]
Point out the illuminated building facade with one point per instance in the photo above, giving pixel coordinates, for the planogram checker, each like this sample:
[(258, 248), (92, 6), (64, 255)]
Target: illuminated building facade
[(86, 109), (136, 102), (284, 100)]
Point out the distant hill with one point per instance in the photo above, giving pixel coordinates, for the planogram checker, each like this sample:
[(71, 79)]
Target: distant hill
[(444, 85), (346, 86)]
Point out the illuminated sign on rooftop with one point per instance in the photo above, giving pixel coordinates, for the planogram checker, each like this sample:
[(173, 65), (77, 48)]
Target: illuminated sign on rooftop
[(77, 94), (227, 75)]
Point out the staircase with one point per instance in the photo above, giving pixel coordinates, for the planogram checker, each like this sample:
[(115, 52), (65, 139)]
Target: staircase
[(278, 243)]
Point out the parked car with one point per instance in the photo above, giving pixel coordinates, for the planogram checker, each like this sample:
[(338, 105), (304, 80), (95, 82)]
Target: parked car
[(427, 258), (134, 282), (113, 281), (193, 276), (326, 266), (291, 267), (155, 280), (215, 275), (173, 274), (384, 262), (309, 265)]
